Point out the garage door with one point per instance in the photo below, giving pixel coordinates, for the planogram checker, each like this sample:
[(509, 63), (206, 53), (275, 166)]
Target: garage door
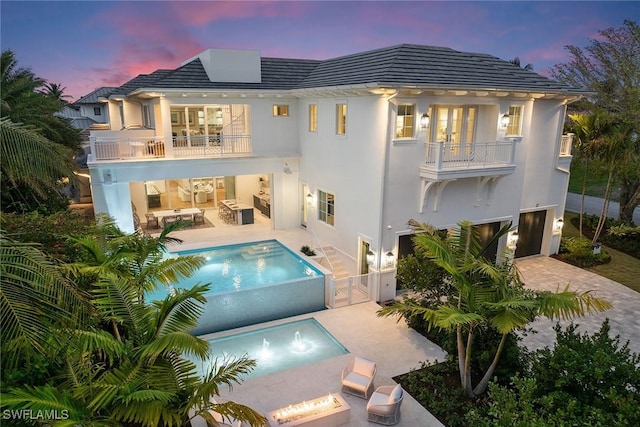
[(530, 233)]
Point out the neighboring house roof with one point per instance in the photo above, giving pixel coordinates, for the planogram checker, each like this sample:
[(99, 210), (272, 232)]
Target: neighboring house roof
[(92, 98), (68, 112), (406, 64)]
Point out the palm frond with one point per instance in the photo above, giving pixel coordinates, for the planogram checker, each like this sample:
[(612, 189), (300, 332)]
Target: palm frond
[(30, 159), (567, 304)]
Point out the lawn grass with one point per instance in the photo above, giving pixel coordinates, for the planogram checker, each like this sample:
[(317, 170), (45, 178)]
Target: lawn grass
[(595, 184), (623, 268)]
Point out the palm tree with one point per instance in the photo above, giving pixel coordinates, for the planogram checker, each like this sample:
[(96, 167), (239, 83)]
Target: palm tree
[(17, 83), (35, 299), (589, 130), (486, 294), (516, 61), (130, 366), (55, 91), (31, 165)]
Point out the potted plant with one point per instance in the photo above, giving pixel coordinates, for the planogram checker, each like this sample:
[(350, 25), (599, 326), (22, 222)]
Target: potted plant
[(307, 250)]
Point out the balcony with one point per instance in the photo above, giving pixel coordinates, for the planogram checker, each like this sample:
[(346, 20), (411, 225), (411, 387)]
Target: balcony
[(487, 162), (149, 147), (564, 153), (446, 161)]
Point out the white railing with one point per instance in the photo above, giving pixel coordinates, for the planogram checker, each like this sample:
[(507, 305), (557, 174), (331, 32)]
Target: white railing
[(114, 148), (445, 155), (136, 148), (350, 290), (211, 146), (565, 144)]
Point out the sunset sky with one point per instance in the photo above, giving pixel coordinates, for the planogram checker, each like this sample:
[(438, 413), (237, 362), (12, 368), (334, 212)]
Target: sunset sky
[(83, 45)]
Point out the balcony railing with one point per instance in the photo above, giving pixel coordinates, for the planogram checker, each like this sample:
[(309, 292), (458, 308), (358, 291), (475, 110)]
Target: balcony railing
[(565, 144), (211, 146), (445, 160), (138, 148)]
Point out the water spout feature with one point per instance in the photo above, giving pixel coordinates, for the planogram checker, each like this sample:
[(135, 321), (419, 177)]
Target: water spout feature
[(298, 344), (265, 352)]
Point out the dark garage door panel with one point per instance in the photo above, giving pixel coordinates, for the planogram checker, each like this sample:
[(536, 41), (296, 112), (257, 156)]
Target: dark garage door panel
[(530, 233)]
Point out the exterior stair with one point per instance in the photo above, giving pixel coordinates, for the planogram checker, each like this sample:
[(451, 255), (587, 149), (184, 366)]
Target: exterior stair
[(333, 262)]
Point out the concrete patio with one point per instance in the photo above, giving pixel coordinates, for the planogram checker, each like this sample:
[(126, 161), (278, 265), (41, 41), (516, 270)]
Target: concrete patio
[(392, 345)]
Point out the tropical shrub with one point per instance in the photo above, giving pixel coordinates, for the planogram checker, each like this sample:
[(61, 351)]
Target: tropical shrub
[(51, 231), (486, 295), (578, 251), (586, 380)]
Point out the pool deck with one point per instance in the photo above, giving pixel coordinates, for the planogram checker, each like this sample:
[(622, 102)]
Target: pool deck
[(394, 347)]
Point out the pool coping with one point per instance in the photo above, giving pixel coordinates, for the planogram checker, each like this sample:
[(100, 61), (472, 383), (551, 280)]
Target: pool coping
[(394, 347)]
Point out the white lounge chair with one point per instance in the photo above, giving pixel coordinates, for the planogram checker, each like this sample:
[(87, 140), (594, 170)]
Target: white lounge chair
[(384, 405), (357, 377)]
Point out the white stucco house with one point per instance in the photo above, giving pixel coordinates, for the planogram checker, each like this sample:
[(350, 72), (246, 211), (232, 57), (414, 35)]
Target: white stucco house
[(350, 148)]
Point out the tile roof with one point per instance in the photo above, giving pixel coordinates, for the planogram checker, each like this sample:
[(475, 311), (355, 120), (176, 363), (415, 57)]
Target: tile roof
[(92, 98), (400, 65)]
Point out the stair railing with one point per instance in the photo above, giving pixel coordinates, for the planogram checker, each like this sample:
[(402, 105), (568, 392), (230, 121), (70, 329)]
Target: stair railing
[(324, 254)]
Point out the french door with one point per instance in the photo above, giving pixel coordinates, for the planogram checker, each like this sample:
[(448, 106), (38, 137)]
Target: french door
[(455, 126)]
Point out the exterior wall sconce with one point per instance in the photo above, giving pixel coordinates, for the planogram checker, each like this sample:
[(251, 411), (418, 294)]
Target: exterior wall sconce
[(389, 259), (424, 121), (309, 198), (371, 257), (512, 240), (558, 224), (504, 120)]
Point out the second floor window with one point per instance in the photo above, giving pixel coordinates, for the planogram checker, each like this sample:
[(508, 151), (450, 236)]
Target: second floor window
[(281, 110), (515, 120), (341, 119), (146, 116), (405, 121), (97, 111), (326, 207), (313, 117)]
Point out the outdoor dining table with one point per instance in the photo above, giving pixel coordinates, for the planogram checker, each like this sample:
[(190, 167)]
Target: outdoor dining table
[(184, 213)]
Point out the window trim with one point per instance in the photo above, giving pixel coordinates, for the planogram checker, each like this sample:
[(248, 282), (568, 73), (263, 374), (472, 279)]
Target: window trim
[(97, 111), (280, 110), (519, 124), (404, 124), (323, 208), (341, 128), (313, 117)]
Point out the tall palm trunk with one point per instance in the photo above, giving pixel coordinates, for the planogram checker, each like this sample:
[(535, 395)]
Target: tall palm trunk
[(484, 382), (466, 385), (584, 190), (605, 207), (461, 354)]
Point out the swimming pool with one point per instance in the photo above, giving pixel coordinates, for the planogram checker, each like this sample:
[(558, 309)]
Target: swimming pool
[(277, 348), (252, 283)]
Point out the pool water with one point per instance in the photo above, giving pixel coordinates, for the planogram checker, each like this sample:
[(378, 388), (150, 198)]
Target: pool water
[(243, 266), (251, 283), (277, 348)]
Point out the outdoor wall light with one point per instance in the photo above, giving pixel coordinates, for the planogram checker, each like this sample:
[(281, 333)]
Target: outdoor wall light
[(424, 121), (558, 224), (512, 239), (309, 198), (504, 120), (390, 258), (371, 257)]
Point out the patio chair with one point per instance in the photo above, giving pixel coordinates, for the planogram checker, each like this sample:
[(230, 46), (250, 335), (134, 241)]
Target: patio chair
[(198, 217), (152, 220), (384, 405), (357, 377), (169, 219)]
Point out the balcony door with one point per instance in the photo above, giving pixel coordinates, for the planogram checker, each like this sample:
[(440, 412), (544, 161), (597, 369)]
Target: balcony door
[(455, 126)]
